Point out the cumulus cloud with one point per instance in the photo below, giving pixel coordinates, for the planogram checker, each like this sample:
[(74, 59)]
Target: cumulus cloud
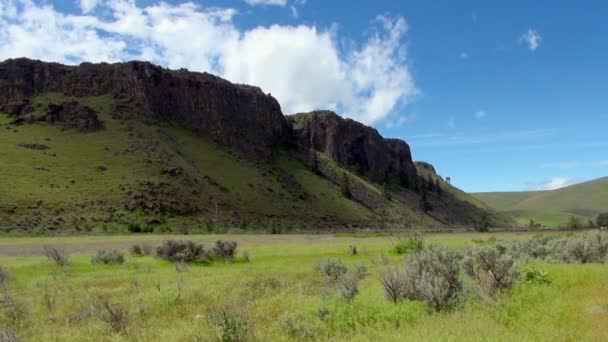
[(531, 38), (88, 5), (303, 66), (552, 184), (266, 2)]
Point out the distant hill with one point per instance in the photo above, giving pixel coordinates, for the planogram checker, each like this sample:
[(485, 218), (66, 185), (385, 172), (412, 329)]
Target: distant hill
[(104, 147), (552, 208)]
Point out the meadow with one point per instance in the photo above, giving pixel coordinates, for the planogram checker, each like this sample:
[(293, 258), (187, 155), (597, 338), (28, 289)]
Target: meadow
[(271, 291)]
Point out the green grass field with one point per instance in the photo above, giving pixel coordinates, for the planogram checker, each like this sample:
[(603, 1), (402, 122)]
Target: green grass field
[(552, 208), (278, 286)]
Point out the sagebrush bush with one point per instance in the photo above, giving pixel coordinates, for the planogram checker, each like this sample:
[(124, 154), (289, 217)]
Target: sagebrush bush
[(352, 250), (141, 249), (393, 283), (432, 275), (331, 270), (536, 276), (298, 327), (4, 276), (57, 255), (348, 285), (360, 270), (412, 244), (115, 316), (181, 251), (492, 267), (108, 257), (233, 324), (225, 250), (591, 247)]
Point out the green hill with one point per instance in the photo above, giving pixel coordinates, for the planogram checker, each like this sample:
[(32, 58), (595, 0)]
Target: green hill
[(552, 208), (133, 146)]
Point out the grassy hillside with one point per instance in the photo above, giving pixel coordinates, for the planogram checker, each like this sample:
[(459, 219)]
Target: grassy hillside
[(552, 208), (96, 181)]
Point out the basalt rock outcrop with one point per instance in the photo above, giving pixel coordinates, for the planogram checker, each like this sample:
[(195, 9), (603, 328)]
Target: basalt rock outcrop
[(354, 145), (235, 115)]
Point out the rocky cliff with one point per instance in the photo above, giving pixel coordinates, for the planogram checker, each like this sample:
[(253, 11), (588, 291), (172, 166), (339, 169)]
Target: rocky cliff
[(354, 145), (235, 115)]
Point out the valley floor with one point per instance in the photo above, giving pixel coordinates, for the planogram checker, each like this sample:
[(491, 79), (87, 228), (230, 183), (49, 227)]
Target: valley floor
[(278, 295)]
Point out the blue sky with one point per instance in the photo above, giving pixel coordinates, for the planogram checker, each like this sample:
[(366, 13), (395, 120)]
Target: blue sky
[(497, 95)]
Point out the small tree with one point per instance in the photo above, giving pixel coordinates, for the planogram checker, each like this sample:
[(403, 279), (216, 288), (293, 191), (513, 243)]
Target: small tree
[(449, 180), (575, 223), (602, 220), (345, 186)]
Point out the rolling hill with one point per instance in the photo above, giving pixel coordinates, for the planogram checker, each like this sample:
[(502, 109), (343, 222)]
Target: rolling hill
[(133, 146), (552, 208)]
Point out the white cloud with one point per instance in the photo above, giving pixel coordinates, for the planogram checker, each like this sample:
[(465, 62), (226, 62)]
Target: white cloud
[(552, 184), (294, 12), (304, 67), (480, 114), (88, 5), (532, 38), (266, 2)]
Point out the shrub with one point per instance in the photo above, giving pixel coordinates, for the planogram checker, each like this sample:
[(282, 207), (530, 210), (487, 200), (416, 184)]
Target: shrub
[(348, 285), (492, 267), (225, 249), (352, 250), (114, 315), (361, 271), (394, 285), (108, 257), (298, 327), (182, 250), (414, 243), (536, 276), (245, 256), (233, 324), (4, 277), (141, 249), (589, 248), (602, 220), (56, 255), (331, 270), (431, 275), (138, 223)]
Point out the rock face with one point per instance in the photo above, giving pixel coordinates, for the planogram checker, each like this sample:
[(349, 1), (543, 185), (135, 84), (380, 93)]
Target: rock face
[(235, 115), (73, 115), (354, 145)]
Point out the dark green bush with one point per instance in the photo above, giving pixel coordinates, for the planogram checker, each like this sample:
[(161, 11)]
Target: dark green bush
[(536, 276), (181, 251), (108, 257), (414, 243)]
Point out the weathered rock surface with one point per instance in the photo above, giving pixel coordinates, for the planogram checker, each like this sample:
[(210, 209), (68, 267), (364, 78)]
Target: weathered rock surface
[(235, 115), (73, 115), (354, 145)]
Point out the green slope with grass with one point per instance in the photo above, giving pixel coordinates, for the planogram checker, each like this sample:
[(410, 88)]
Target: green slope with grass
[(92, 182), (552, 208)]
